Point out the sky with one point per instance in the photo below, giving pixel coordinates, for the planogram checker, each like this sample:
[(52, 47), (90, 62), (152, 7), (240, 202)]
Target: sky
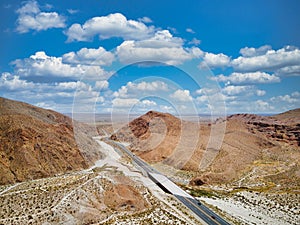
[(132, 56)]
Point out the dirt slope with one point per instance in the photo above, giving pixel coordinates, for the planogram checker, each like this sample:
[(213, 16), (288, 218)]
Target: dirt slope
[(36, 143), (267, 147)]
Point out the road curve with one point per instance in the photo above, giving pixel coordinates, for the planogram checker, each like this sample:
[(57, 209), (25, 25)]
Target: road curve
[(207, 215)]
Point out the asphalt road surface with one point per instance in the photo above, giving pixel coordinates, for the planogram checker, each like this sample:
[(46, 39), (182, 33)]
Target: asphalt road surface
[(207, 215)]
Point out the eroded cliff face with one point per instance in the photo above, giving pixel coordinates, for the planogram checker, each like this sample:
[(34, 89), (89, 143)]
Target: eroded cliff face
[(283, 127), (38, 143)]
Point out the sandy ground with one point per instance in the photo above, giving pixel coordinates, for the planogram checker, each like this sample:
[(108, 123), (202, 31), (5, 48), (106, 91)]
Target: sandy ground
[(255, 208)]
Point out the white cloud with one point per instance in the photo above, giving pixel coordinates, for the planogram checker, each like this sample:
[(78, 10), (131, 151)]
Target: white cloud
[(260, 92), (57, 96), (145, 19), (112, 25), (262, 106), (182, 95), (236, 90), (248, 78), (72, 86), (136, 89), (124, 102), (289, 71), (214, 60), (247, 90), (295, 94), (250, 106), (286, 98), (31, 7), (134, 104), (166, 108), (194, 41), (162, 47), (213, 98), (89, 56), (40, 64), (251, 52), (31, 18), (148, 86), (189, 30), (148, 103), (14, 83), (270, 61), (101, 84)]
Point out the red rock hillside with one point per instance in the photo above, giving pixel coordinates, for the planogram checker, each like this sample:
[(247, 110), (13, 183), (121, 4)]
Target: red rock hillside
[(36, 143)]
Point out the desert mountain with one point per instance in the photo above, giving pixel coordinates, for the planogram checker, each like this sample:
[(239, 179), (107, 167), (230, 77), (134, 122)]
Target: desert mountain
[(36, 143), (153, 136), (267, 148)]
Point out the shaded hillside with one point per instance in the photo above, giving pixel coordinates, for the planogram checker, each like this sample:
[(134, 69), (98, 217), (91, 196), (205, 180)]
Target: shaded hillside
[(247, 145), (36, 143)]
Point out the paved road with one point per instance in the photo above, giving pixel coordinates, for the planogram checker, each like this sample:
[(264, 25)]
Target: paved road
[(163, 182)]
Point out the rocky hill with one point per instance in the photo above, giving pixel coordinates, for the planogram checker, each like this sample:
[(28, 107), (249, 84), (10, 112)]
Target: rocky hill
[(153, 136), (263, 149), (284, 127), (36, 143)]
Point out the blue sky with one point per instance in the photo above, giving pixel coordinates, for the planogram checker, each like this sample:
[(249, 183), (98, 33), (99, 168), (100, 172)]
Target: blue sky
[(133, 56)]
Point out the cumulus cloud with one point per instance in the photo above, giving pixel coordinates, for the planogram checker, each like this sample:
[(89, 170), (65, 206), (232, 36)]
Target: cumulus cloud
[(251, 52), (162, 47), (40, 64), (248, 78), (260, 92), (288, 71), (57, 96), (136, 89), (101, 84), (72, 86), (124, 102), (134, 104), (30, 17), (270, 61), (112, 25), (14, 83), (262, 106), (236, 90), (213, 96), (247, 90), (89, 56), (182, 95), (148, 103), (214, 60), (291, 99), (166, 108)]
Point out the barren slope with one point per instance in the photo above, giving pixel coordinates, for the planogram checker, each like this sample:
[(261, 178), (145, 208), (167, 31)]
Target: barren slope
[(36, 143), (264, 147)]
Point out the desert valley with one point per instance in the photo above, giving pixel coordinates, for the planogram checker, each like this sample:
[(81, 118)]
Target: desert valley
[(51, 176), (150, 112)]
